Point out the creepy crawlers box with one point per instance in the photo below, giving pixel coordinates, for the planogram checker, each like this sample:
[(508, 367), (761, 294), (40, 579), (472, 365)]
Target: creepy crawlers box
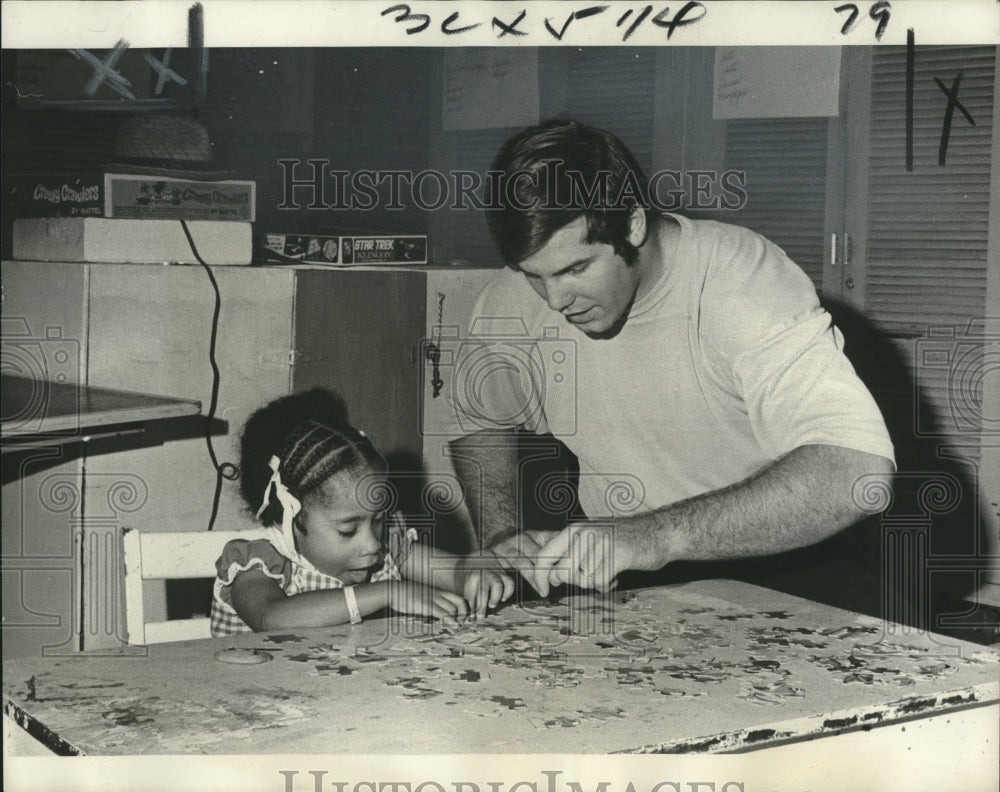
[(129, 196)]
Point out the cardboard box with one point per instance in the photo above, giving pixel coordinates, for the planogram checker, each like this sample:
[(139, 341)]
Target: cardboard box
[(95, 239), (365, 250), (307, 248), (119, 195)]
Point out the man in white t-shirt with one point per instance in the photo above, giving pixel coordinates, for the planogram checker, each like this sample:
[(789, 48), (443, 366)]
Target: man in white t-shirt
[(687, 364)]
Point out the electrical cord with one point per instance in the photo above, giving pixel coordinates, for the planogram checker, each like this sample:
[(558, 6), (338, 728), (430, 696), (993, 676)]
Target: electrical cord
[(225, 470)]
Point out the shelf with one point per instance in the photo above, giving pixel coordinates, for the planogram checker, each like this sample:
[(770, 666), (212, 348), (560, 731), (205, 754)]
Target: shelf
[(38, 412)]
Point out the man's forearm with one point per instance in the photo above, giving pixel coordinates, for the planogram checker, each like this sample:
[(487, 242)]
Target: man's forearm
[(801, 499), (486, 465)]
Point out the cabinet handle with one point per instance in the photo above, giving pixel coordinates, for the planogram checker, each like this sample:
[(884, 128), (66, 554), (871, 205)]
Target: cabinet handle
[(833, 250)]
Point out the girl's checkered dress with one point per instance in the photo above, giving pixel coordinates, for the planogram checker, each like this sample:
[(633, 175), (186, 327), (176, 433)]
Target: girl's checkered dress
[(293, 572)]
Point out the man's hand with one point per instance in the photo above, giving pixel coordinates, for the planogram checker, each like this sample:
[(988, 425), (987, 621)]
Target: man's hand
[(591, 554), (517, 553)]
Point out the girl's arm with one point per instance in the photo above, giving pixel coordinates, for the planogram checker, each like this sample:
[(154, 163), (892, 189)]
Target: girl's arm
[(264, 606), (480, 580)]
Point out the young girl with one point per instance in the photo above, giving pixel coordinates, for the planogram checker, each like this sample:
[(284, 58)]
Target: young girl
[(333, 555)]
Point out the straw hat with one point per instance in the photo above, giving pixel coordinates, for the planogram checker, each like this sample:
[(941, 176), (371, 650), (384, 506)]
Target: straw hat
[(166, 144)]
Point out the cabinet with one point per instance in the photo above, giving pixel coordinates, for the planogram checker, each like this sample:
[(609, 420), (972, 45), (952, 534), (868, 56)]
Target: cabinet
[(147, 328), (44, 335)]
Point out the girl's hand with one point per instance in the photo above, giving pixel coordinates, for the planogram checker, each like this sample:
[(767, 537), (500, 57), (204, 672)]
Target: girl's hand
[(483, 584), (417, 599)]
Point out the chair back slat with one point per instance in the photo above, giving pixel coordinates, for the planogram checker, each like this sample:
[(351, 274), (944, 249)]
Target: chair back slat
[(185, 554), (170, 555), (178, 630)]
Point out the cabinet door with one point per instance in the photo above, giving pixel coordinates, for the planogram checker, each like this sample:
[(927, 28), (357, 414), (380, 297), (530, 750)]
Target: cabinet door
[(451, 296), (355, 332), (44, 338)]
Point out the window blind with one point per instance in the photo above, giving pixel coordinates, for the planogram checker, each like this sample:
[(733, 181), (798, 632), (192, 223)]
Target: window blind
[(784, 160), (926, 256), (612, 88), (927, 228), (474, 151)]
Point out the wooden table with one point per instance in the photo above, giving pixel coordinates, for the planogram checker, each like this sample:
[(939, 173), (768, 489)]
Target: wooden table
[(45, 413), (715, 666)]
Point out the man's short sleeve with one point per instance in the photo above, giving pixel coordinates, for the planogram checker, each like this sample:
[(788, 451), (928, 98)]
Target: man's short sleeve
[(786, 359), (800, 389)]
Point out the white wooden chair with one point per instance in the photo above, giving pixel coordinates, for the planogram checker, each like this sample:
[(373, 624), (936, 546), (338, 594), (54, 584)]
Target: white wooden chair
[(163, 555)]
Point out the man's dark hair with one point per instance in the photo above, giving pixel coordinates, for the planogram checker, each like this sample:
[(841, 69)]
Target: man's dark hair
[(557, 171)]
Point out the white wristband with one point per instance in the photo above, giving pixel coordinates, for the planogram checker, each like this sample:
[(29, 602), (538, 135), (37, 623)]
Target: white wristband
[(352, 604)]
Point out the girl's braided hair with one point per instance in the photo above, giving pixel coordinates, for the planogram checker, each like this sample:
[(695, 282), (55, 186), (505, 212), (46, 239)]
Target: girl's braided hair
[(310, 434)]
